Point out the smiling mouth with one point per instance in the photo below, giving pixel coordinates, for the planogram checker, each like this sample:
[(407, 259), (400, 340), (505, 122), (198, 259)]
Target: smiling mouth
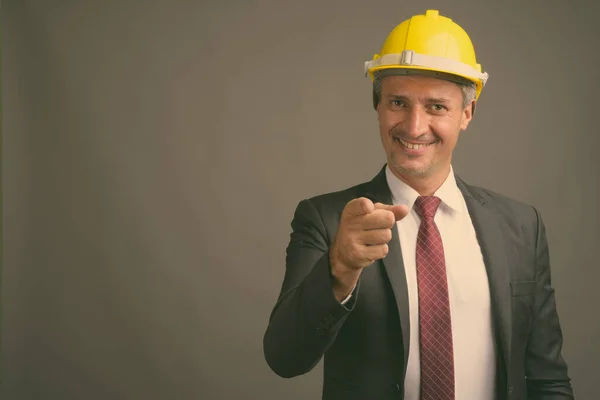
[(413, 146)]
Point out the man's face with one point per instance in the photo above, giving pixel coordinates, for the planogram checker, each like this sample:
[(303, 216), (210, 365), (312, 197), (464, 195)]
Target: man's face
[(420, 119)]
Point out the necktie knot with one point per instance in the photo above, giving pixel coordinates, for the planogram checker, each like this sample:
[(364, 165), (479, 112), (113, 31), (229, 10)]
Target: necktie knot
[(426, 206)]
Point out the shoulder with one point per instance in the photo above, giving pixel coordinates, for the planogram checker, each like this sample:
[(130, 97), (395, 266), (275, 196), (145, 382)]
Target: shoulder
[(328, 206), (500, 200), (335, 201), (516, 212), (338, 198)]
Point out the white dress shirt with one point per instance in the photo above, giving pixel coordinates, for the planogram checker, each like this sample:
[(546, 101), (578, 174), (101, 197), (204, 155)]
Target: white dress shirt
[(470, 308)]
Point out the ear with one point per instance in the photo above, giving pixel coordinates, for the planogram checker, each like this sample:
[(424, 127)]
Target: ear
[(378, 114), (375, 100), (467, 115)]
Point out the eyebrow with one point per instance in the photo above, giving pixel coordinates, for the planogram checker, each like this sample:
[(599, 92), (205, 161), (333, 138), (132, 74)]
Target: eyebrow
[(437, 100)]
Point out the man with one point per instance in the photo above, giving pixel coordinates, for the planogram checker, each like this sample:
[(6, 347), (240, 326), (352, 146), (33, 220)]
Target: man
[(416, 285)]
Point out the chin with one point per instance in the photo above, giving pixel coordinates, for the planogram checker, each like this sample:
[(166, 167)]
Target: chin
[(412, 171), (407, 167)]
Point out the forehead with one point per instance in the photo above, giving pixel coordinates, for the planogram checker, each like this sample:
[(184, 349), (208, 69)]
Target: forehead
[(419, 86)]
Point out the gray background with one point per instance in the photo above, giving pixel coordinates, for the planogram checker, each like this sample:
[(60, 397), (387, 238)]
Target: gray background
[(154, 153)]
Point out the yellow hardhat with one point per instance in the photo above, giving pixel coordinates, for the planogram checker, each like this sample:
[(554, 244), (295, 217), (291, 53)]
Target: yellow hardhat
[(430, 42)]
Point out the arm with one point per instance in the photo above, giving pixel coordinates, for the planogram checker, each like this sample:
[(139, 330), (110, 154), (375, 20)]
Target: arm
[(546, 370), (307, 315)]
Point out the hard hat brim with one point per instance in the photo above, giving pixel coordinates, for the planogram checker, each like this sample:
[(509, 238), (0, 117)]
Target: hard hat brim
[(410, 61)]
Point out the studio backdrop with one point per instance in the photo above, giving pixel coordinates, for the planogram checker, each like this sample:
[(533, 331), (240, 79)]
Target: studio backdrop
[(154, 153)]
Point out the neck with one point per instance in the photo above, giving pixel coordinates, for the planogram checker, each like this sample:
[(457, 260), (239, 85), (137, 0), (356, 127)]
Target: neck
[(425, 185)]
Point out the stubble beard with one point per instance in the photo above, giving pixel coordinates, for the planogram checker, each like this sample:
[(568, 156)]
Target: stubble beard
[(416, 172)]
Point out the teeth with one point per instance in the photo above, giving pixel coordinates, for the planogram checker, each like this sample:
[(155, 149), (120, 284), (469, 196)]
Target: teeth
[(411, 145)]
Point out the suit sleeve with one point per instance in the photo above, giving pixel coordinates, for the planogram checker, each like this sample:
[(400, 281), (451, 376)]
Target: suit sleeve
[(307, 316), (546, 370)]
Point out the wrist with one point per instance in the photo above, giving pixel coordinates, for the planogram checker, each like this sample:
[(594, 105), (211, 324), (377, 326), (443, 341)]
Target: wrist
[(344, 279)]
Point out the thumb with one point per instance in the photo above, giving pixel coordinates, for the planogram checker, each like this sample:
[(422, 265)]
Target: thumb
[(400, 211), (359, 206)]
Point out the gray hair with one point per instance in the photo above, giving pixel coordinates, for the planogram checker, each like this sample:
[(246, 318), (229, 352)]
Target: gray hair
[(468, 88)]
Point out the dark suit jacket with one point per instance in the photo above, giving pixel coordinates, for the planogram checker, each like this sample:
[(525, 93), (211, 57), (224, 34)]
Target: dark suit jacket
[(365, 342)]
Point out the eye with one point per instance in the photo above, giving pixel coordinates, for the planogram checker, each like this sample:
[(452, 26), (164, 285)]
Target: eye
[(438, 107), (397, 103)]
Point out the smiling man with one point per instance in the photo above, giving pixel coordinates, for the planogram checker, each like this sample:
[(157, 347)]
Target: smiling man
[(417, 285)]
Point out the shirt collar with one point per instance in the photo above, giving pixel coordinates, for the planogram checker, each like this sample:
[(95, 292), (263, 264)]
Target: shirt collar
[(402, 193)]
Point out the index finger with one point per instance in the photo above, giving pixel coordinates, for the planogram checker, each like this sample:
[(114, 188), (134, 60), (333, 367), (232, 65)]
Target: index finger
[(359, 206), (400, 211)]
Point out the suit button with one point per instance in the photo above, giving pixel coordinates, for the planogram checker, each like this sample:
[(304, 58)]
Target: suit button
[(510, 390), (395, 388)]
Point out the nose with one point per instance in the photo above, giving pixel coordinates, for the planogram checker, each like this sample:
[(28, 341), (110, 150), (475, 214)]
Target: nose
[(416, 122)]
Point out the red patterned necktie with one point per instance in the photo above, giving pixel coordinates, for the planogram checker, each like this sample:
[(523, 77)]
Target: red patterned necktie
[(435, 325)]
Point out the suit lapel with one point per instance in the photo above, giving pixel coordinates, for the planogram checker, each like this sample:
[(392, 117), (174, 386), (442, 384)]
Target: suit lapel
[(488, 228), (378, 191), (394, 267)]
